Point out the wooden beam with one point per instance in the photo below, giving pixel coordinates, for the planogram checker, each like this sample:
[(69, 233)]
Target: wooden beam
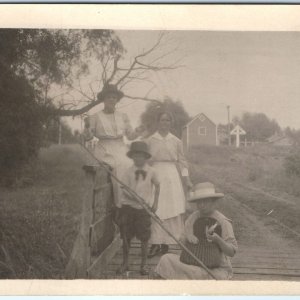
[(101, 234), (100, 264)]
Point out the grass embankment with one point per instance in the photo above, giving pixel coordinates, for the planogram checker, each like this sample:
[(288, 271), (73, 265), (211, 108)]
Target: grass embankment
[(39, 223), (255, 176)]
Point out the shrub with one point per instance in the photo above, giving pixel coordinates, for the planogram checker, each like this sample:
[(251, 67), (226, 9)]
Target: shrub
[(292, 163)]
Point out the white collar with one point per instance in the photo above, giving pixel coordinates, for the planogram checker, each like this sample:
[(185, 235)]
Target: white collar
[(160, 137), (145, 167)]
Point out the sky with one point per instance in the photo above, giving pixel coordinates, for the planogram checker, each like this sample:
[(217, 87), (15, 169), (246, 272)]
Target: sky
[(249, 71)]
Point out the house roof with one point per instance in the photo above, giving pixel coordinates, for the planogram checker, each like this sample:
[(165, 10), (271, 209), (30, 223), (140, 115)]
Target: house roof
[(197, 117), (274, 139)]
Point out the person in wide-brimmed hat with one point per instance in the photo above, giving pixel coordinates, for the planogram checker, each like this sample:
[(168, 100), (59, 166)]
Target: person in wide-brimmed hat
[(205, 197), (109, 127)]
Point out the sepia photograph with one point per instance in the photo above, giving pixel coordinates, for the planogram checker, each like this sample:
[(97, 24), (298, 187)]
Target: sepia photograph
[(149, 154)]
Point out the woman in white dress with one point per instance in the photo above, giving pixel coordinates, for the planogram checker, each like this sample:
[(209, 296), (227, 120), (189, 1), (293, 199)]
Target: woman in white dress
[(169, 161), (110, 127)]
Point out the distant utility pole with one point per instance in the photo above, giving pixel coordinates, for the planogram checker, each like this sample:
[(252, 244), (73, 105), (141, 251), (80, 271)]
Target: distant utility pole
[(59, 131), (228, 126)]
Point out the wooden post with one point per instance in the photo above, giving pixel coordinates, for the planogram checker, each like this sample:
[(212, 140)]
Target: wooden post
[(80, 257), (229, 136), (59, 131), (237, 139)]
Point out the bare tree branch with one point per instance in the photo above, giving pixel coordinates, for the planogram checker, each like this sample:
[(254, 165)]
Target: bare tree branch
[(82, 93), (135, 61), (115, 69), (144, 99), (158, 68), (153, 48), (92, 90), (136, 71), (79, 111)]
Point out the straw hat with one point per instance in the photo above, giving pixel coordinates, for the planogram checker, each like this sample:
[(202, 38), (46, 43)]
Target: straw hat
[(110, 89), (203, 191), (139, 146)]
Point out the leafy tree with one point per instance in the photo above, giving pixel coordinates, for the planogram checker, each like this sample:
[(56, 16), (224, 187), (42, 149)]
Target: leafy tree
[(292, 163), (293, 134), (257, 126), (181, 117), (32, 61), (20, 125)]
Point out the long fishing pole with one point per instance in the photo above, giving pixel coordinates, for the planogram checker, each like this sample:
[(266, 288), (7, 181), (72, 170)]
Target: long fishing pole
[(148, 209)]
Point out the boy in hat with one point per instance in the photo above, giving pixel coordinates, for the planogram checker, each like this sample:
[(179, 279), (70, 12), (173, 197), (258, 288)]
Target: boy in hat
[(134, 220), (171, 266)]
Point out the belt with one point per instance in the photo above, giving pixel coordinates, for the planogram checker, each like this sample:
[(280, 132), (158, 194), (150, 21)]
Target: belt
[(109, 137), (165, 161)]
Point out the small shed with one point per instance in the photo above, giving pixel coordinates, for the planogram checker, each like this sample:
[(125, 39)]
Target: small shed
[(199, 131)]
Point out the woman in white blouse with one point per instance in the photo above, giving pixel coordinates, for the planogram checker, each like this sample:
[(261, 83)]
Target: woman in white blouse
[(169, 161), (110, 127)]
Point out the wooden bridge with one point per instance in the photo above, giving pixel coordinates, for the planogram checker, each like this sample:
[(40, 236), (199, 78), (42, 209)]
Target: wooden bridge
[(97, 250)]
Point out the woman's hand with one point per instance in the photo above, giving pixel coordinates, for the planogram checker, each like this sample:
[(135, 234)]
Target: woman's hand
[(212, 236), (140, 130), (189, 184), (154, 207), (126, 193), (226, 248), (192, 239)]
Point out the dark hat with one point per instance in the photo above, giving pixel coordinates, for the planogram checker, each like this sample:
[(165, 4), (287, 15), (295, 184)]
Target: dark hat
[(138, 146), (109, 89)]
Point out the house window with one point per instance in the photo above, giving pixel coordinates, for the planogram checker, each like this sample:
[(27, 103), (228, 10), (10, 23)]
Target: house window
[(202, 118), (201, 130)]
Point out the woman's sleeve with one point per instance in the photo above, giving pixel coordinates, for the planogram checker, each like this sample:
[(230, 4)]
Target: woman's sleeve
[(89, 128), (182, 160), (189, 223), (228, 234), (128, 131)]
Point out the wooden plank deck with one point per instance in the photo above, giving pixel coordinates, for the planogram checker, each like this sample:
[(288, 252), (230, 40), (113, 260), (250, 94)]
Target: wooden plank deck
[(259, 264)]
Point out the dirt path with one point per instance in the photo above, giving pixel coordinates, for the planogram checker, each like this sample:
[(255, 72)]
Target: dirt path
[(257, 232)]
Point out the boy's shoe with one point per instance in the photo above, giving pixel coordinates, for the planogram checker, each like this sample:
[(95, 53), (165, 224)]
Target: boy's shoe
[(164, 249), (144, 271), (154, 250)]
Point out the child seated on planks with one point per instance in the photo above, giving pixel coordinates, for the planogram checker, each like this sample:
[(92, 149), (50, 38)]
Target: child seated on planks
[(134, 220), (208, 235)]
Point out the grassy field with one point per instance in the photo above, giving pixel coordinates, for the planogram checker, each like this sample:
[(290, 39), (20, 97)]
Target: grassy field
[(39, 222), (255, 176)]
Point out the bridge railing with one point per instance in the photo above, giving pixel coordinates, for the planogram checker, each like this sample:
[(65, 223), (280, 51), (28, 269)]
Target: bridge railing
[(97, 233)]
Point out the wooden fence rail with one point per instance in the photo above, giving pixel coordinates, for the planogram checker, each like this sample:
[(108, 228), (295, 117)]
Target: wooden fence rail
[(97, 231)]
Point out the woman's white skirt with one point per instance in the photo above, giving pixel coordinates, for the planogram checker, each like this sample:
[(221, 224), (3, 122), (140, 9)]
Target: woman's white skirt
[(174, 225), (171, 204), (114, 153)]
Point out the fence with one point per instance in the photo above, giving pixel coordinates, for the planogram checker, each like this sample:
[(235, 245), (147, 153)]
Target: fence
[(97, 231)]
